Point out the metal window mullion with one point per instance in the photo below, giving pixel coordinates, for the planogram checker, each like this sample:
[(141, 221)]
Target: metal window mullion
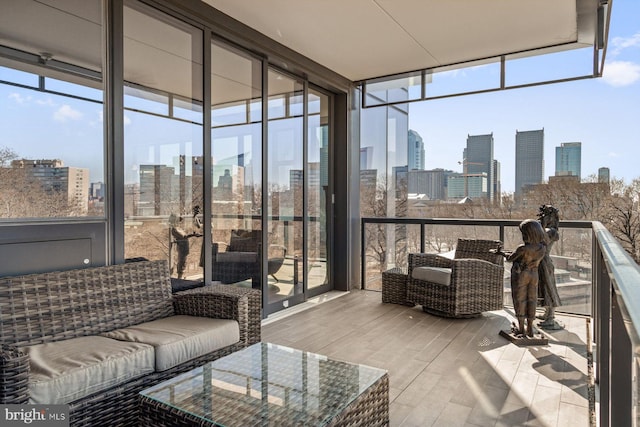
[(265, 177), (206, 156), (305, 185), (113, 110)]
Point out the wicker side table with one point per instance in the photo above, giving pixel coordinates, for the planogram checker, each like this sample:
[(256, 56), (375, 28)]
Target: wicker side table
[(394, 287)]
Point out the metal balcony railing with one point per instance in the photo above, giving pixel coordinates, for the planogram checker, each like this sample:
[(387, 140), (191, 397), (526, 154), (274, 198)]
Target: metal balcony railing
[(611, 279)]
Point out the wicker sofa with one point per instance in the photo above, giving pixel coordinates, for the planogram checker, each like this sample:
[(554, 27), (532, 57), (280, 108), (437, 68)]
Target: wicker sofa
[(122, 326)]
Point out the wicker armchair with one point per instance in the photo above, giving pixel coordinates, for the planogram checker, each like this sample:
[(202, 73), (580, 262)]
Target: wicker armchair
[(242, 258), (465, 286)]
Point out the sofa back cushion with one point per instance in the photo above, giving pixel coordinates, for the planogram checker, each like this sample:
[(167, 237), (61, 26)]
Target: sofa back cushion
[(49, 307)]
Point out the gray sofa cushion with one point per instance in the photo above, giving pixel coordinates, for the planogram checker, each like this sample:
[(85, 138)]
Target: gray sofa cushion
[(441, 276), (177, 339), (65, 371)]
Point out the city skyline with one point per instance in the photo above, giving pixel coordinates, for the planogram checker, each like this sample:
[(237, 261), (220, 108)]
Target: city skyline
[(601, 113)]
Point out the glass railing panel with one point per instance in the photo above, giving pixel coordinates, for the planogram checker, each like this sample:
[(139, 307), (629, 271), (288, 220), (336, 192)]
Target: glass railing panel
[(387, 243)]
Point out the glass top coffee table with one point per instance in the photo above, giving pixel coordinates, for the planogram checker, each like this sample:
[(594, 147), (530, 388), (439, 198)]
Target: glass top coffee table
[(268, 384)]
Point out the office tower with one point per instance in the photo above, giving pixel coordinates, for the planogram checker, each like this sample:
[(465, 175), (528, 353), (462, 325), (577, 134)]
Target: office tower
[(497, 186), (415, 151), (478, 160), (604, 175), (568, 159), (57, 178), (159, 191), (366, 158), (400, 181), (529, 159), (473, 186), (430, 183)]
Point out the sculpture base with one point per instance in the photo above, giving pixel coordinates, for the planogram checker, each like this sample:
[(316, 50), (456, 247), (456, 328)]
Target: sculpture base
[(555, 326), (523, 340)]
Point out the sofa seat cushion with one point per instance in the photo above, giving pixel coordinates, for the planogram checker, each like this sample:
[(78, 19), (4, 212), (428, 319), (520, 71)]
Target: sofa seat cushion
[(177, 339), (441, 276), (65, 371)]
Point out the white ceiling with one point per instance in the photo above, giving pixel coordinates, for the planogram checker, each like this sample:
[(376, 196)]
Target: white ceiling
[(358, 39), (362, 39)]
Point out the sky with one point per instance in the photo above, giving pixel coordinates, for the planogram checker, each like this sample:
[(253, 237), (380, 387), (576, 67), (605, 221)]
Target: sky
[(602, 113)]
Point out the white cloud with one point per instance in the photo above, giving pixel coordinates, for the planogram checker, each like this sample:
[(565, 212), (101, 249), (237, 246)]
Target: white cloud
[(613, 154), (65, 113), (46, 102), (19, 98), (621, 73), (620, 43)]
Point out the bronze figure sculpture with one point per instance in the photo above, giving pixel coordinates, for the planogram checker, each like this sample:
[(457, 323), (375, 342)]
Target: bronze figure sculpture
[(524, 275), (547, 290)]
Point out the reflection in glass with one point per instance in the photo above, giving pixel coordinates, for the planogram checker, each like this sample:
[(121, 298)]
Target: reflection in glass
[(51, 136), (236, 150), (318, 188), (285, 187), (163, 153), (275, 385)]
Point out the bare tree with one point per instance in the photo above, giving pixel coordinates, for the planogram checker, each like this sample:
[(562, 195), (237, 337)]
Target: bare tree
[(624, 220)]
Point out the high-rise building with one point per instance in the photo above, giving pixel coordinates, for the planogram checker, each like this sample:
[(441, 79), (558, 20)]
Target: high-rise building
[(604, 175), (159, 191), (430, 183), (529, 159), (415, 151), (476, 186), (366, 158), (478, 159), (497, 185), (568, 159), (55, 177)]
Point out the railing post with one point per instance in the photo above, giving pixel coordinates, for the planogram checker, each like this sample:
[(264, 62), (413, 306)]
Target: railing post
[(422, 236), (602, 334), (621, 387), (363, 259)]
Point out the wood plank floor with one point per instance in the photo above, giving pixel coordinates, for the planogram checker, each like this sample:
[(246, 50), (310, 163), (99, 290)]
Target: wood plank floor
[(449, 372)]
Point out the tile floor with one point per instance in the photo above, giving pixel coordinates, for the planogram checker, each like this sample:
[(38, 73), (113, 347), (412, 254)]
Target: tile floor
[(448, 372)]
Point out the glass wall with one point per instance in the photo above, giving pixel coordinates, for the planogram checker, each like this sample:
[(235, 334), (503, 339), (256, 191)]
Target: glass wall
[(236, 150), (318, 195), (285, 189), (163, 140), (266, 169), (384, 184), (51, 136)]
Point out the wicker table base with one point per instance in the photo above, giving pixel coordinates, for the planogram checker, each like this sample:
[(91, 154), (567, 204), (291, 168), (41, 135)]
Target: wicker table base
[(267, 384), (394, 287)]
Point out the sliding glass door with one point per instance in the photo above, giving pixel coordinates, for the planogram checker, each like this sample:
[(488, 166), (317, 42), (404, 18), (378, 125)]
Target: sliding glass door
[(163, 139)]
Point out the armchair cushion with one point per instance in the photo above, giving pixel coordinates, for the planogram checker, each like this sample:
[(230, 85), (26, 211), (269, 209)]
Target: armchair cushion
[(178, 339), (439, 275), (237, 257), (465, 286), (65, 371)]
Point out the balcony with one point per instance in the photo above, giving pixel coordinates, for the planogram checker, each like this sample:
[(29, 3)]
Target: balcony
[(461, 372), (451, 372)]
